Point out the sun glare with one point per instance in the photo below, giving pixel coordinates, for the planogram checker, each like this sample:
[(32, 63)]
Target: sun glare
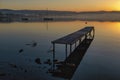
[(116, 28), (117, 6)]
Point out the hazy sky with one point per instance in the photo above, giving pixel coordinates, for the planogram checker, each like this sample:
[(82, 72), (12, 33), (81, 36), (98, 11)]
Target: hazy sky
[(69, 5)]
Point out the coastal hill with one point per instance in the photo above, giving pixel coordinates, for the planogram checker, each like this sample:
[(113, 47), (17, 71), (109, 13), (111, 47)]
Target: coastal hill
[(67, 15), (40, 12)]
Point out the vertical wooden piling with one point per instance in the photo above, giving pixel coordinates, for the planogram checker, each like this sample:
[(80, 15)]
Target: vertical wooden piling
[(53, 51), (75, 44), (79, 40), (85, 36), (93, 32), (70, 48), (53, 56), (66, 50)]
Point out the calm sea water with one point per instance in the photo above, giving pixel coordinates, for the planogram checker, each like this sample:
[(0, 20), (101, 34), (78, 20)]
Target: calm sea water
[(18, 52)]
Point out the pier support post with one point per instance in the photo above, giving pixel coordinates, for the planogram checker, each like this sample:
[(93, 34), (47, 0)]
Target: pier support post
[(75, 44), (85, 36), (89, 34), (79, 40), (53, 51), (70, 48), (53, 56), (93, 32), (66, 50)]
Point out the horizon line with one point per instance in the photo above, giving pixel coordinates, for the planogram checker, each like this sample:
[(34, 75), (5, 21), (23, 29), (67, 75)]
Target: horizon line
[(65, 10)]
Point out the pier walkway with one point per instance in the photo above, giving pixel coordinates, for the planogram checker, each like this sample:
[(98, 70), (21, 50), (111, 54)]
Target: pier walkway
[(73, 38), (82, 40)]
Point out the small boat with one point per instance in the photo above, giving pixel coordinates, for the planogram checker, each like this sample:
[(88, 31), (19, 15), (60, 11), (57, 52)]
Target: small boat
[(24, 19), (48, 19)]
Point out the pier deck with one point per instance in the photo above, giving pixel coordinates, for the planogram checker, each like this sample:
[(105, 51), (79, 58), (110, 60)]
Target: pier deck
[(73, 37)]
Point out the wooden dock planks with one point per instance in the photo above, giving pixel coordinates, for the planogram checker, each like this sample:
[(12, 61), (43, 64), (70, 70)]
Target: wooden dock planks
[(73, 37)]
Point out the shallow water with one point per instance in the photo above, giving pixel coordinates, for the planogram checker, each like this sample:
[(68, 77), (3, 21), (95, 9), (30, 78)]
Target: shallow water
[(100, 62)]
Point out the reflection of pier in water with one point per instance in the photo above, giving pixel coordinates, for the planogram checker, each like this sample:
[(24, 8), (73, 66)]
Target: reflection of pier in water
[(67, 68), (70, 64)]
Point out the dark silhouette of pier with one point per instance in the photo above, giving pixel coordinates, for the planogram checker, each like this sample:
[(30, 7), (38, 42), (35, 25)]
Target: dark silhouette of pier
[(66, 68)]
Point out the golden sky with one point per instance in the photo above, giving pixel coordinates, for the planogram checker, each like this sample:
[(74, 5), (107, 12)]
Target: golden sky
[(66, 5)]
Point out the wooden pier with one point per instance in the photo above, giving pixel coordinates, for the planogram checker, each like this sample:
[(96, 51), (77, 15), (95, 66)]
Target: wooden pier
[(67, 68), (84, 38), (73, 38)]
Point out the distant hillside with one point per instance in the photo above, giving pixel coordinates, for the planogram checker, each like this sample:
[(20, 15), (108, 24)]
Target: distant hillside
[(98, 12), (10, 11), (99, 16), (62, 15), (40, 12)]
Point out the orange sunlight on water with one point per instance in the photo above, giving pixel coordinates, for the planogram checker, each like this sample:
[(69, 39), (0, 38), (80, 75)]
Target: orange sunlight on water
[(114, 28), (117, 29)]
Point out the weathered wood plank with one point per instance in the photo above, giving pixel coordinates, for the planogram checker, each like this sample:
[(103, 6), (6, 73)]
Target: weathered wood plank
[(73, 37)]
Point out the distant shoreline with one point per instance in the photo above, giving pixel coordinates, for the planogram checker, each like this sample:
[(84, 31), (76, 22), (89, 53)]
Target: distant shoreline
[(7, 15), (67, 20), (99, 11)]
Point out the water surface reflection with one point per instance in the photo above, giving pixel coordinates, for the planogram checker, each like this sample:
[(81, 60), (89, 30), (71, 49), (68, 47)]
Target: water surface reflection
[(100, 62)]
